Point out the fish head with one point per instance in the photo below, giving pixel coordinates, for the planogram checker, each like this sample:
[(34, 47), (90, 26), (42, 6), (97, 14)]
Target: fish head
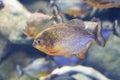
[(39, 43), (44, 41)]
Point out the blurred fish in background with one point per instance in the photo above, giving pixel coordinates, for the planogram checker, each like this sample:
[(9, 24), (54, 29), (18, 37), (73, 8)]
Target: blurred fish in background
[(73, 7), (40, 67), (37, 22), (104, 3), (41, 20)]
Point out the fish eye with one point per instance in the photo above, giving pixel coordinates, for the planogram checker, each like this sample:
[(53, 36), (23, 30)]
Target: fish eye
[(39, 42), (36, 42)]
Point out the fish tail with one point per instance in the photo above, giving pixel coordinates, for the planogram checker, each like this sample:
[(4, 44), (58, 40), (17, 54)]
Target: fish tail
[(115, 28), (98, 35), (19, 70)]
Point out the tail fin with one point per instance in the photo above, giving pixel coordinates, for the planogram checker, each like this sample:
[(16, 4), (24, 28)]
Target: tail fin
[(115, 28), (98, 32), (20, 71)]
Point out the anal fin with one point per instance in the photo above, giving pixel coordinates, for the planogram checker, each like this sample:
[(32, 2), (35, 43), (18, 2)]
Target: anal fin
[(83, 54), (67, 55)]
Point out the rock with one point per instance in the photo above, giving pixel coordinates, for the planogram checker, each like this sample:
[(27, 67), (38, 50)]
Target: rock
[(3, 44), (106, 59), (81, 76), (17, 55), (86, 71), (13, 20)]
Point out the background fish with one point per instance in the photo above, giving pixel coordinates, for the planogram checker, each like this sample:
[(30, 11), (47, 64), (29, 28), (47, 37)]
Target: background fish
[(73, 7), (38, 68), (104, 3), (65, 40), (36, 23)]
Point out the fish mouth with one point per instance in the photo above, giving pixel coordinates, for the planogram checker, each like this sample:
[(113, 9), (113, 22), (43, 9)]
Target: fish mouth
[(35, 44)]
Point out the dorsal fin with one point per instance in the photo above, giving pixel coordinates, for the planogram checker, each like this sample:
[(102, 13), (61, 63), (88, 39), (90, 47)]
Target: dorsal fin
[(41, 10)]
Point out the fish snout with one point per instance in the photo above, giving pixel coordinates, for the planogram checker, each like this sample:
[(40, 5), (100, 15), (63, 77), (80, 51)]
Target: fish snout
[(37, 42)]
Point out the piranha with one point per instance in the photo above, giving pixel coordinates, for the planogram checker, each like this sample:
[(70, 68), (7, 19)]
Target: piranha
[(104, 3), (37, 22), (40, 20), (107, 29), (64, 39), (38, 68), (1, 4), (72, 7)]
